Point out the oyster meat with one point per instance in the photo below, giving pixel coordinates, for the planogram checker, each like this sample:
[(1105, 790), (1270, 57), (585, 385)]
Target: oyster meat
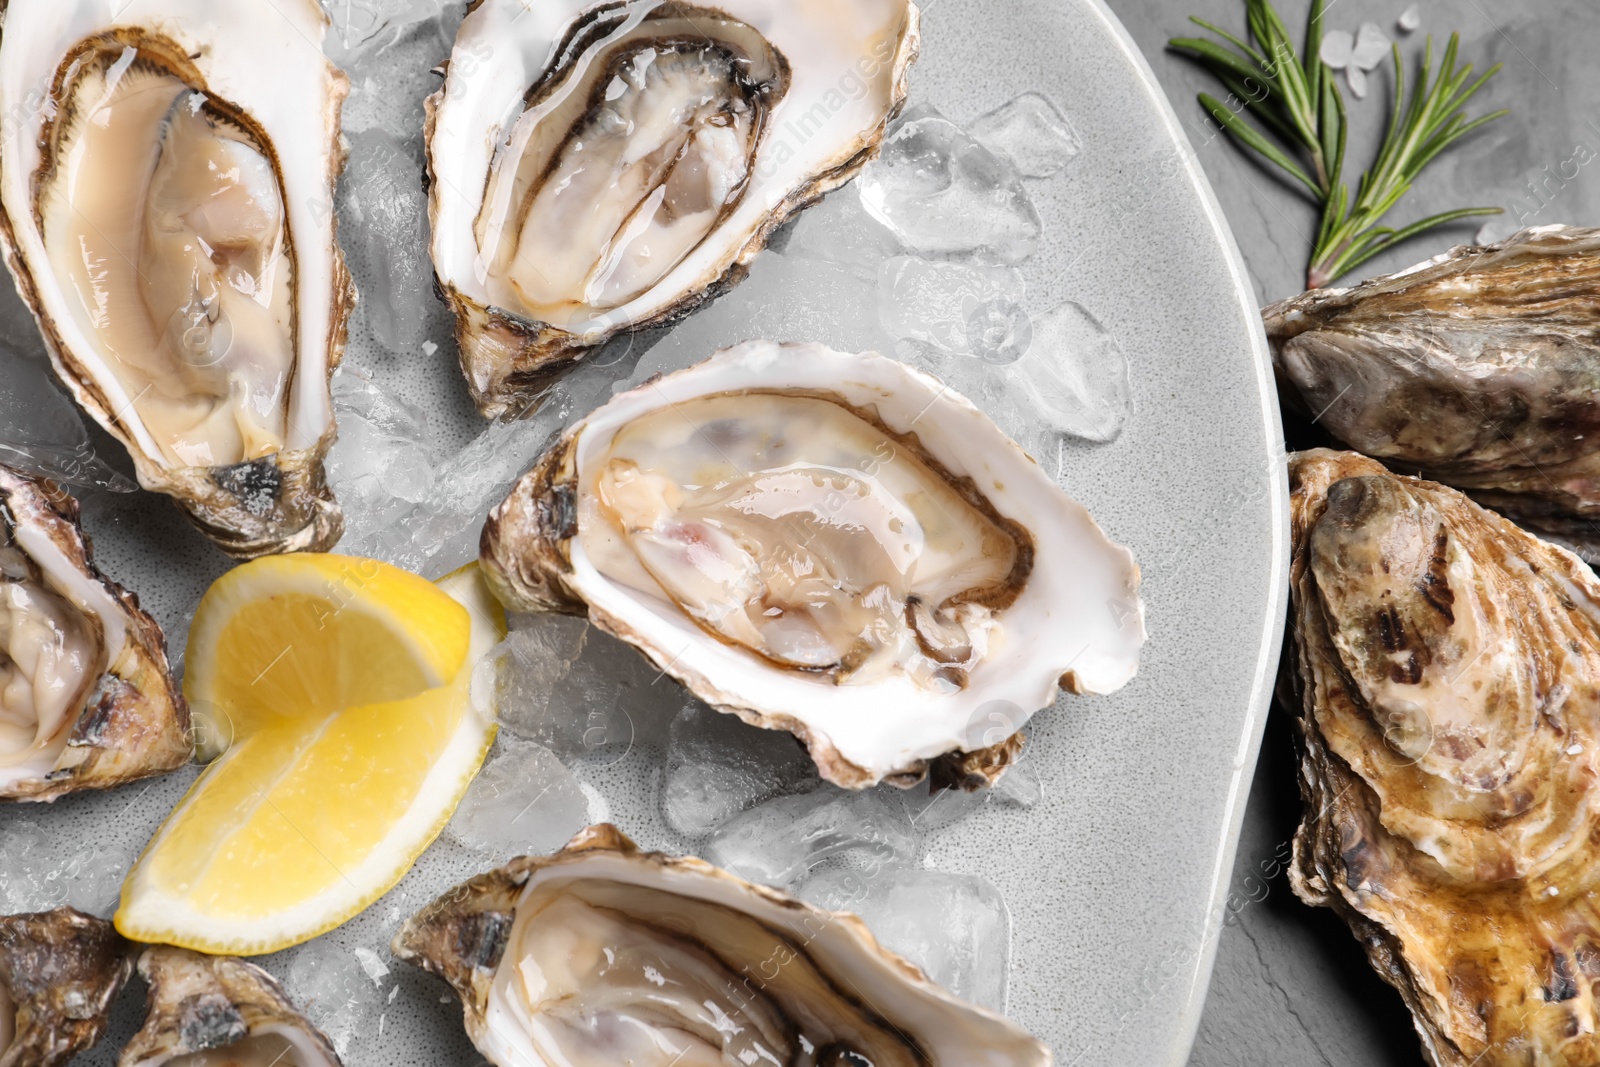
[(86, 697), (218, 1011), (831, 544), (1477, 368), (59, 972), (602, 954), (166, 191), (1447, 669), (598, 167)]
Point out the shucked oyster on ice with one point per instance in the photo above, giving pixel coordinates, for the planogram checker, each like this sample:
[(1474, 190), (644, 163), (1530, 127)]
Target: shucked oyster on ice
[(599, 167), (1447, 667), (166, 182), (86, 698), (830, 544), (59, 972), (218, 1011), (602, 954), (1477, 368)]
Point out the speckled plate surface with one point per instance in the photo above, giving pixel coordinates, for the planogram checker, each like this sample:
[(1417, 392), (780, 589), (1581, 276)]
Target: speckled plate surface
[(1116, 879)]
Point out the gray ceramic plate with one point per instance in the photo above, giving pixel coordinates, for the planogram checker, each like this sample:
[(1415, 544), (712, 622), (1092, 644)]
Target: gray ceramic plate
[(1116, 879)]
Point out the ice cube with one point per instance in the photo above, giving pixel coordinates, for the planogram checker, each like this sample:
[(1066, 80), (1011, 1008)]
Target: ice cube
[(955, 307), (612, 699), (523, 802), (381, 466), (928, 808), (1337, 47), (39, 872), (360, 27), (718, 765), (332, 985), (779, 842), (1031, 132), (1498, 228), (838, 229), (94, 876), (1372, 44), (383, 227), (1357, 78), (943, 193), (1410, 19), (515, 679), (41, 432), (1074, 376), (956, 927)]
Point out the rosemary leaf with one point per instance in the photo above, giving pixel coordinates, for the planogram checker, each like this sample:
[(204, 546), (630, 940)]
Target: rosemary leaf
[(1296, 99)]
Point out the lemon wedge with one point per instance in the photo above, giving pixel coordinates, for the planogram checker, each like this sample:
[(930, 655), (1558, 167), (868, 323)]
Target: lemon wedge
[(341, 688)]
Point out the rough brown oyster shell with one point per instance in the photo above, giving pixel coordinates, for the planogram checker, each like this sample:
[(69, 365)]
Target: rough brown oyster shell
[(817, 970), (59, 972), (134, 723), (1477, 368), (201, 1003), (1447, 669)]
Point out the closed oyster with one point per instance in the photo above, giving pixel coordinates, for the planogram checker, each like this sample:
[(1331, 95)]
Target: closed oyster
[(166, 182), (1447, 667), (830, 544), (218, 1011), (599, 167), (59, 972), (602, 954), (86, 698), (1477, 368)]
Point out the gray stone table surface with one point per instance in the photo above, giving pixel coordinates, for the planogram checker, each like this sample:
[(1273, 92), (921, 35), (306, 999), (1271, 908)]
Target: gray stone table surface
[(1290, 986)]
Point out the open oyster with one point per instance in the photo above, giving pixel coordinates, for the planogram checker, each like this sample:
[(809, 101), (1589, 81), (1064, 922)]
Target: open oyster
[(1477, 368), (166, 182), (1447, 665), (831, 544), (218, 1011), (602, 954), (59, 972), (606, 166), (86, 698)]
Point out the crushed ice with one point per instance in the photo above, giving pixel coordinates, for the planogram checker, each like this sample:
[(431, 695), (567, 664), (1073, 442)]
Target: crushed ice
[(1030, 132), (956, 927), (940, 192)]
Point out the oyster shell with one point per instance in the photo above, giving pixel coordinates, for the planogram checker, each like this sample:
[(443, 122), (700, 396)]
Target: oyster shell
[(1476, 368), (599, 167), (165, 207), (218, 1011), (86, 697), (1447, 666), (603, 954), (830, 544), (59, 972)]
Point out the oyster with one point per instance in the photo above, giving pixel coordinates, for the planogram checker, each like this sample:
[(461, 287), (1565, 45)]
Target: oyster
[(86, 698), (1477, 368), (218, 1011), (598, 167), (603, 954), (59, 972), (1447, 667), (166, 182), (831, 544)]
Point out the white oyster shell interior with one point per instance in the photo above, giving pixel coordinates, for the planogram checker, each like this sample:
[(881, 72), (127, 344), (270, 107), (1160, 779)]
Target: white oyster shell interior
[(152, 204), (618, 959), (59, 630), (658, 140), (709, 500)]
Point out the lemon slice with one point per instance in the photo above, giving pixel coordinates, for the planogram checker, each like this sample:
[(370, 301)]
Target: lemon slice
[(344, 686)]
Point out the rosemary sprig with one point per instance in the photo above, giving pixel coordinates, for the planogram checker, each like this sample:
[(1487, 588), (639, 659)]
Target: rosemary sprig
[(1296, 99)]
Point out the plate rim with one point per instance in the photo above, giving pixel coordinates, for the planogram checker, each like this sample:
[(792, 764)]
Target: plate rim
[(1264, 675)]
